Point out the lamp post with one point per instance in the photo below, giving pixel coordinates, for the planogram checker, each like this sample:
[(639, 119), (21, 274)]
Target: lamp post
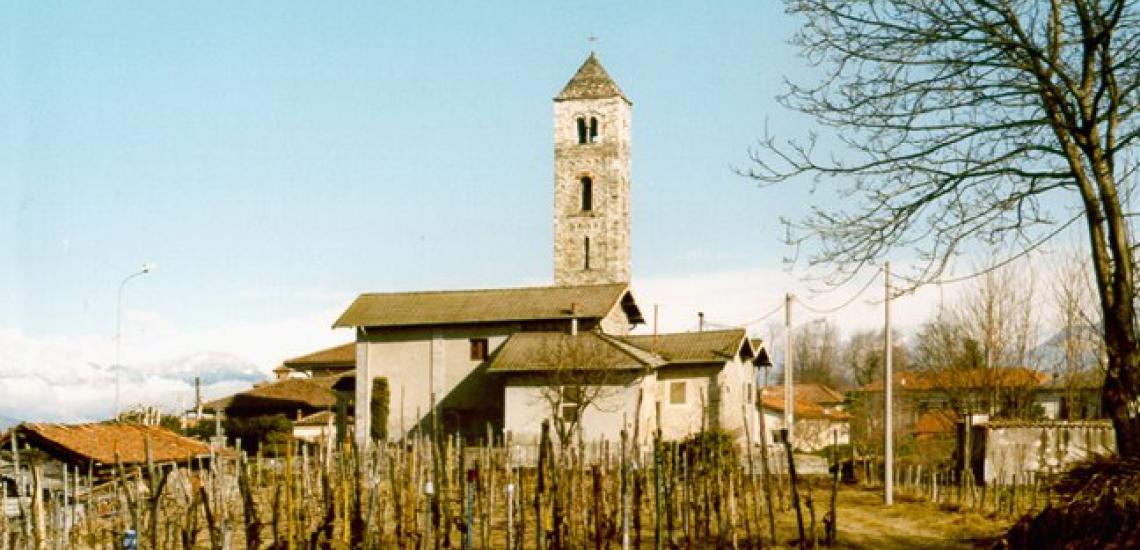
[(146, 268)]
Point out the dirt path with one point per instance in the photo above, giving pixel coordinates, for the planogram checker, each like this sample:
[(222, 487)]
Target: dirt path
[(864, 523)]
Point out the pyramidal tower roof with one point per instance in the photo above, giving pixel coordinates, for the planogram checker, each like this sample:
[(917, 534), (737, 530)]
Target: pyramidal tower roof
[(591, 82)]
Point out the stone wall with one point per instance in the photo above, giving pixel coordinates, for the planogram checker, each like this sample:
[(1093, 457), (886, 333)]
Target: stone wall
[(1009, 448)]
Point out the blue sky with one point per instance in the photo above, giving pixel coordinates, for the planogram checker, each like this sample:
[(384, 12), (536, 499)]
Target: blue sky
[(275, 159), (354, 146)]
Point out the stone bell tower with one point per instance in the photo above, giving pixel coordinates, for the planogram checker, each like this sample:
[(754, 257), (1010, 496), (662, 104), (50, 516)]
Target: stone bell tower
[(591, 179)]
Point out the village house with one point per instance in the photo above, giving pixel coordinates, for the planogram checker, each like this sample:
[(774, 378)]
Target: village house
[(930, 403), (681, 383), (819, 416)]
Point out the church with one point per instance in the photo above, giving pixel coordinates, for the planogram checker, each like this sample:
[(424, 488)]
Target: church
[(510, 358)]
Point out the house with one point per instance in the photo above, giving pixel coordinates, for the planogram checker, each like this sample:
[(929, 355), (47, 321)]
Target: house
[(601, 384), (819, 416), (926, 401), (293, 398), (585, 382), (706, 381), (101, 446)]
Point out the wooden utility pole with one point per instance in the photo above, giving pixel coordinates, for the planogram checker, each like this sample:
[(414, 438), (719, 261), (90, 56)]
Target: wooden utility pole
[(789, 391), (888, 398)]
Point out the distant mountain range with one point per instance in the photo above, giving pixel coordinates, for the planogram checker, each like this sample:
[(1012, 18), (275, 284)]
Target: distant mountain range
[(211, 367), (1050, 354)]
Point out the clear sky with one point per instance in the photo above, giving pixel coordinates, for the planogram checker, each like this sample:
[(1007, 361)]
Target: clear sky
[(275, 159)]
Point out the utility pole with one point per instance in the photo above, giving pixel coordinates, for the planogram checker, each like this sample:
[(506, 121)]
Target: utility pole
[(888, 424), (789, 391)]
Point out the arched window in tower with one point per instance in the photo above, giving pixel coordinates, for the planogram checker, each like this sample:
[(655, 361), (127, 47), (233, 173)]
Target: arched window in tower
[(587, 186), (586, 255), (593, 129), (582, 131)]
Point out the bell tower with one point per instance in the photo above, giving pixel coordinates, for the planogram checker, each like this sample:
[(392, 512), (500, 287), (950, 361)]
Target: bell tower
[(591, 179)]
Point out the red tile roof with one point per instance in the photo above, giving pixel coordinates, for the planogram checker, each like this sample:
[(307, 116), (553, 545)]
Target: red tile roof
[(816, 393), (936, 422), (100, 442), (772, 399), (964, 379)]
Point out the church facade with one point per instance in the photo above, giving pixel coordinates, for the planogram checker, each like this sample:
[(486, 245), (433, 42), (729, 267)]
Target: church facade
[(459, 361)]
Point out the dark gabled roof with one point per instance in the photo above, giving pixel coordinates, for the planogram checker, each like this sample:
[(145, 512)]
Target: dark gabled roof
[(315, 393), (548, 351), (591, 82), (338, 356), (714, 346), (489, 306), (101, 442)]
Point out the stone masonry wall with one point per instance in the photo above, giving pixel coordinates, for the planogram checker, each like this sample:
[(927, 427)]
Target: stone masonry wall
[(606, 162)]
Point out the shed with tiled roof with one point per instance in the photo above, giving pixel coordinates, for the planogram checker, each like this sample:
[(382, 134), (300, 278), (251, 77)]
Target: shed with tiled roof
[(101, 445)]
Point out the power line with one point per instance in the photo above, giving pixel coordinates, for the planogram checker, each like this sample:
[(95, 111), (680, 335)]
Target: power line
[(770, 313), (1024, 252), (828, 311)]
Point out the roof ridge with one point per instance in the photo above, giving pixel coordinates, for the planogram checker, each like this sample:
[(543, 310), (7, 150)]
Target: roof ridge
[(622, 345), (498, 289), (687, 333)]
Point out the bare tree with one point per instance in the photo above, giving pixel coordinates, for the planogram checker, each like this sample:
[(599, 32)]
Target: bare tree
[(961, 118), (978, 352), (817, 353), (862, 355), (1078, 362), (580, 372)]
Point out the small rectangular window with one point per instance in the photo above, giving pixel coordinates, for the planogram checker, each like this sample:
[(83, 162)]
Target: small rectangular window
[(571, 401), (677, 393), (478, 349), (569, 413)]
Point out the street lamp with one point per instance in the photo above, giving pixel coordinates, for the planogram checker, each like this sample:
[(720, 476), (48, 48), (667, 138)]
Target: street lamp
[(146, 268)]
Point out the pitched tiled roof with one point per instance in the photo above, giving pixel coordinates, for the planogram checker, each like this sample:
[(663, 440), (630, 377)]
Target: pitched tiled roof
[(546, 351), (816, 393), (804, 408), (314, 393), (342, 355), (100, 442), (964, 379), (936, 422), (591, 82), (488, 306), (714, 346)]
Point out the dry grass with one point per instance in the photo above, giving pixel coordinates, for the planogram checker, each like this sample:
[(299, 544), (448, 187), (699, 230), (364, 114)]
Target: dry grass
[(865, 523)]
